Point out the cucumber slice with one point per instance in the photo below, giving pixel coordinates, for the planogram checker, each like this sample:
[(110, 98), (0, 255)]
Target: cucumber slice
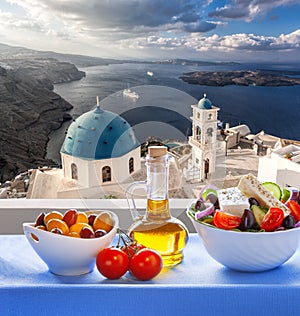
[(259, 213), (274, 189), (285, 195), (207, 191)]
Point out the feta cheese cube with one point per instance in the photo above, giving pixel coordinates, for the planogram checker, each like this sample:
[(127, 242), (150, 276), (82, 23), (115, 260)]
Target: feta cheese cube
[(233, 201)]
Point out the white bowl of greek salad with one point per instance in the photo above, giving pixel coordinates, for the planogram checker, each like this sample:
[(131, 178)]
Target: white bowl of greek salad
[(252, 227)]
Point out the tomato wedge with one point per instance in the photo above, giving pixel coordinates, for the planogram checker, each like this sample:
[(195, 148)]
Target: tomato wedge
[(226, 221), (295, 209), (273, 219)]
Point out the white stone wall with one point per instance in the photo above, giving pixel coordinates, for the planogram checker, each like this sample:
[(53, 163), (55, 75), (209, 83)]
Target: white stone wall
[(279, 169)]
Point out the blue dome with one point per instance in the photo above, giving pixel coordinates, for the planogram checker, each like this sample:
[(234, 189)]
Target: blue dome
[(99, 134), (205, 104)]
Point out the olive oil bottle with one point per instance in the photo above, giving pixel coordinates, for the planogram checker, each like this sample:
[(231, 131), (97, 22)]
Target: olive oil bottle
[(157, 229)]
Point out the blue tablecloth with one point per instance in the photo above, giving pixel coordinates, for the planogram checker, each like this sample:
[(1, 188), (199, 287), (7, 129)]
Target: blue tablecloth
[(197, 286)]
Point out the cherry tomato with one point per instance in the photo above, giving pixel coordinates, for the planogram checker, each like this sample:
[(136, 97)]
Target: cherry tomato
[(132, 249), (295, 209), (145, 264), (226, 221), (112, 263), (273, 219)]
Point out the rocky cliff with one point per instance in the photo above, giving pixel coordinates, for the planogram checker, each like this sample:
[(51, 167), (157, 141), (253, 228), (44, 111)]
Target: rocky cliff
[(29, 111), (42, 72)]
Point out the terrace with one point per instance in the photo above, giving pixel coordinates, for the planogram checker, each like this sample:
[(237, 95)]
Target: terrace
[(198, 283)]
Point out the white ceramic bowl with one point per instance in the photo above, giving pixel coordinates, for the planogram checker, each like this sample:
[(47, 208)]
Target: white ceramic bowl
[(68, 255), (246, 251)]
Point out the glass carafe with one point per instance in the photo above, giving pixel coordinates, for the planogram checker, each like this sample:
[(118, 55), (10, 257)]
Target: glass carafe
[(157, 229)]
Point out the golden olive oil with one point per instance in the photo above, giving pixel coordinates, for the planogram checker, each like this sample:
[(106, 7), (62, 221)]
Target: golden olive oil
[(162, 232)]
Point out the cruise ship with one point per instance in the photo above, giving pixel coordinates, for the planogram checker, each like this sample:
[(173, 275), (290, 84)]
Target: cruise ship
[(130, 94)]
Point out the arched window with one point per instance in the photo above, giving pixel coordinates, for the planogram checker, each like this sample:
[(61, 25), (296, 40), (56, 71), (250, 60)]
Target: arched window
[(74, 171), (131, 165), (106, 174), (209, 117), (209, 132), (198, 133), (209, 135)]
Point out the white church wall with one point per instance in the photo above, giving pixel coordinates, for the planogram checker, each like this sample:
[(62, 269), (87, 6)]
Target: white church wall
[(90, 171), (95, 171), (121, 165), (81, 165)]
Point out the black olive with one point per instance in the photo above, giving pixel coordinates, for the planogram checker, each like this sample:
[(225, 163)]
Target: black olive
[(288, 222), (253, 201), (248, 220), (213, 199), (200, 206)]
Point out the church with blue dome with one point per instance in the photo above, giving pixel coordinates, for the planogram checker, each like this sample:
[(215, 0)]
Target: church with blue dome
[(100, 149), (99, 155)]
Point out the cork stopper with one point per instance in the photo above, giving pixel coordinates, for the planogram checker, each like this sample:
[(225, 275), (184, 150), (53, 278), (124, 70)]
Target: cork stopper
[(157, 151)]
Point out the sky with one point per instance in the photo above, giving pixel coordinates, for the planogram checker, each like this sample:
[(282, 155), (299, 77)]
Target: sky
[(213, 30)]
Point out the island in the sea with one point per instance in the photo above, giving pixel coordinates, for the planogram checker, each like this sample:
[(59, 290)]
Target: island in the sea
[(269, 78)]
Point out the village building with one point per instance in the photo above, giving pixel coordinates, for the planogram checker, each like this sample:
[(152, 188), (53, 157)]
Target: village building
[(203, 140), (281, 166)]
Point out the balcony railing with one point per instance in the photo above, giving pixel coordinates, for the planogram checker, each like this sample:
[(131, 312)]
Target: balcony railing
[(14, 212), (219, 146)]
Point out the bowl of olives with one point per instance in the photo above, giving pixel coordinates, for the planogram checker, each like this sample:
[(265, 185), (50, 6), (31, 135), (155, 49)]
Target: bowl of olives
[(238, 242), (69, 243)]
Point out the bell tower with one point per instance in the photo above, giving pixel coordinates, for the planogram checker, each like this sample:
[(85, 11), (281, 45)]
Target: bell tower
[(204, 138)]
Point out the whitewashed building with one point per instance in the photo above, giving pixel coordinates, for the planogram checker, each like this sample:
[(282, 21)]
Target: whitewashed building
[(203, 139), (281, 166)]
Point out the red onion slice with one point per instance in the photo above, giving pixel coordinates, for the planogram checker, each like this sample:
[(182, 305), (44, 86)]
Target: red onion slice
[(208, 186), (297, 224), (205, 212)]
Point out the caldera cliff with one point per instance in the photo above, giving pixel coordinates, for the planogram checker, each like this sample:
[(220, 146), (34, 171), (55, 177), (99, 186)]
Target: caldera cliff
[(29, 111)]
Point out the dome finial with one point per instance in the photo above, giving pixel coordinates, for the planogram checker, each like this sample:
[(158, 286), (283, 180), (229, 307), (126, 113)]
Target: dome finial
[(204, 103), (98, 109)]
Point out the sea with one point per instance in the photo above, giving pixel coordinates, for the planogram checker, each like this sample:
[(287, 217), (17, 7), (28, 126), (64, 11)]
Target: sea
[(163, 108)]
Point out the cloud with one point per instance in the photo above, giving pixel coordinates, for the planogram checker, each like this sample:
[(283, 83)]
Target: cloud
[(248, 10), (228, 43), (11, 21), (199, 26), (120, 16)]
